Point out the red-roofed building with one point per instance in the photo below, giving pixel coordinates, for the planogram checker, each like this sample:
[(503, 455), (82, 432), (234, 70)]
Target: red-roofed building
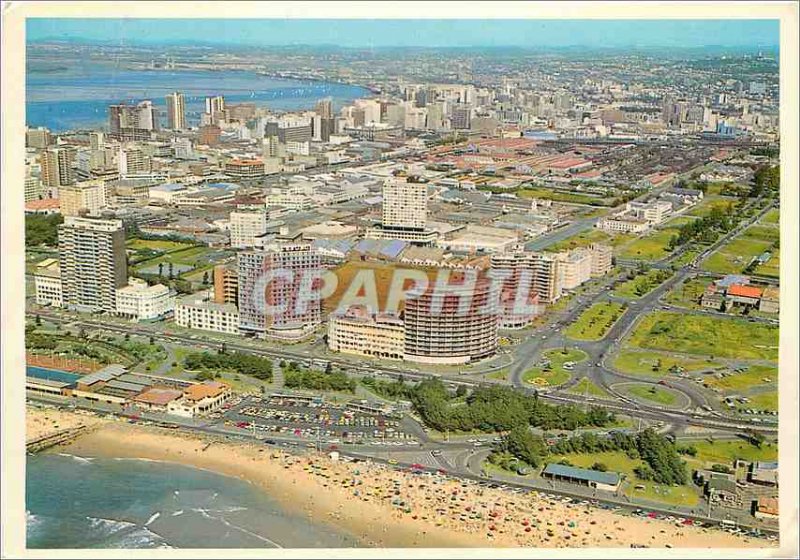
[(43, 206), (743, 295)]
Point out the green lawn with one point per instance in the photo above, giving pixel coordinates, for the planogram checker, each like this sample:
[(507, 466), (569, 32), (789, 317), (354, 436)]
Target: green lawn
[(734, 256), (754, 376), (726, 452), (772, 267), (156, 244), (642, 284), (594, 323), (501, 374), (764, 401), (586, 387), (617, 461), (772, 217), (651, 247), (687, 294), (560, 196), (583, 239), (709, 202), (686, 257), (706, 336), (556, 374), (652, 393), (642, 363)]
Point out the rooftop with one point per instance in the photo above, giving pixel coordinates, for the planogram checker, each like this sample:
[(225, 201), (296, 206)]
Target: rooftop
[(582, 474)]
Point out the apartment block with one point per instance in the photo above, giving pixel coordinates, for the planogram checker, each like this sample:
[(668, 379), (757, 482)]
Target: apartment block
[(141, 302), (358, 332), (196, 311), (93, 263)]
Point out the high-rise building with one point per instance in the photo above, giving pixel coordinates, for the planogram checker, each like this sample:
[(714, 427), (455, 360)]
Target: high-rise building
[(85, 197), (132, 161), (215, 109), (440, 328), (57, 168), (226, 284), (132, 122), (325, 122), (519, 300), (37, 138), (275, 290), (246, 228), (574, 268), (405, 204), (176, 111), (92, 262), (404, 211), (460, 118), (33, 188), (602, 259)]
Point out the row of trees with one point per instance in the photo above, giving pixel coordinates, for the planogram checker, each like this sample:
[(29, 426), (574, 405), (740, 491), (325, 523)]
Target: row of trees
[(300, 378), (706, 229), (488, 409), (661, 457), (245, 364)]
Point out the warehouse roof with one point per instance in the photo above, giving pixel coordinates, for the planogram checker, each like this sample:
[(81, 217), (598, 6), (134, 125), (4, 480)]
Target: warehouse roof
[(555, 469)]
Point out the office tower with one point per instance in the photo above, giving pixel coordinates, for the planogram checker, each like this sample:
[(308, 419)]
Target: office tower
[(176, 111), (460, 118), (132, 122), (405, 204), (33, 188), (215, 108), (294, 128), (273, 284), (96, 140), (56, 166), (86, 197), (440, 329), (132, 161), (37, 138), (247, 227), (92, 261), (324, 108)]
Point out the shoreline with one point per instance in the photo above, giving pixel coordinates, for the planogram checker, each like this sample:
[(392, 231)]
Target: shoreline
[(414, 510)]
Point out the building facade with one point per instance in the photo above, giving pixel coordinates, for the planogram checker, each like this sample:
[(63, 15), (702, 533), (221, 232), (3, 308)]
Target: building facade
[(363, 334), (196, 311), (176, 111), (93, 263), (141, 302)]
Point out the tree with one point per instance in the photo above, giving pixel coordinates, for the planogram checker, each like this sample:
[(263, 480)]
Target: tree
[(461, 391), (38, 321), (598, 466), (152, 340), (171, 274), (205, 278), (161, 269), (127, 337)]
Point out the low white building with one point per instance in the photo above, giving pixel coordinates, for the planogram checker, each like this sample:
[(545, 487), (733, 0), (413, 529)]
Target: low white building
[(141, 302), (200, 398), (196, 311), (47, 280)]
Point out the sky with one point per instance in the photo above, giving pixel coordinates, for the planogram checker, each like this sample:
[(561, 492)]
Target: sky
[(414, 33)]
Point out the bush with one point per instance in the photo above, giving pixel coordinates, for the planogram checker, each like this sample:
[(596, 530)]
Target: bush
[(601, 467)]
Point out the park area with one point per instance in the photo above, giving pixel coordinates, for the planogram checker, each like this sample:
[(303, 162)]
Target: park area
[(595, 322), (658, 364), (586, 238), (735, 256), (651, 247), (556, 367), (171, 259), (642, 284), (706, 336), (709, 203), (652, 394), (618, 461)]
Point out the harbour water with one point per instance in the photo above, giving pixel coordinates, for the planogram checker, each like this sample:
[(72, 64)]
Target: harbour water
[(76, 502), (78, 96)]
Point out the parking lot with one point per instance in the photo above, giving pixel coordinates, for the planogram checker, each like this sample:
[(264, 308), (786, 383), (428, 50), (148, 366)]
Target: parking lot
[(315, 420)]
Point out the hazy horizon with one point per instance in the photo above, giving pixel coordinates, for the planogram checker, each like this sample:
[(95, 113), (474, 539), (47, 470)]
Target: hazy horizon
[(344, 33)]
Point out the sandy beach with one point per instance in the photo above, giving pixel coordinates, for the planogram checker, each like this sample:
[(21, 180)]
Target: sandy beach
[(41, 422), (384, 507)]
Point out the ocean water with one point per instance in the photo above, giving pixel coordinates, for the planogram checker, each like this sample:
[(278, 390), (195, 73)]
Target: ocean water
[(78, 96), (76, 502)]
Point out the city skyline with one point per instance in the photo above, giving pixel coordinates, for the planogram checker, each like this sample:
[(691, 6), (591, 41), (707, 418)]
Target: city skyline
[(421, 33)]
